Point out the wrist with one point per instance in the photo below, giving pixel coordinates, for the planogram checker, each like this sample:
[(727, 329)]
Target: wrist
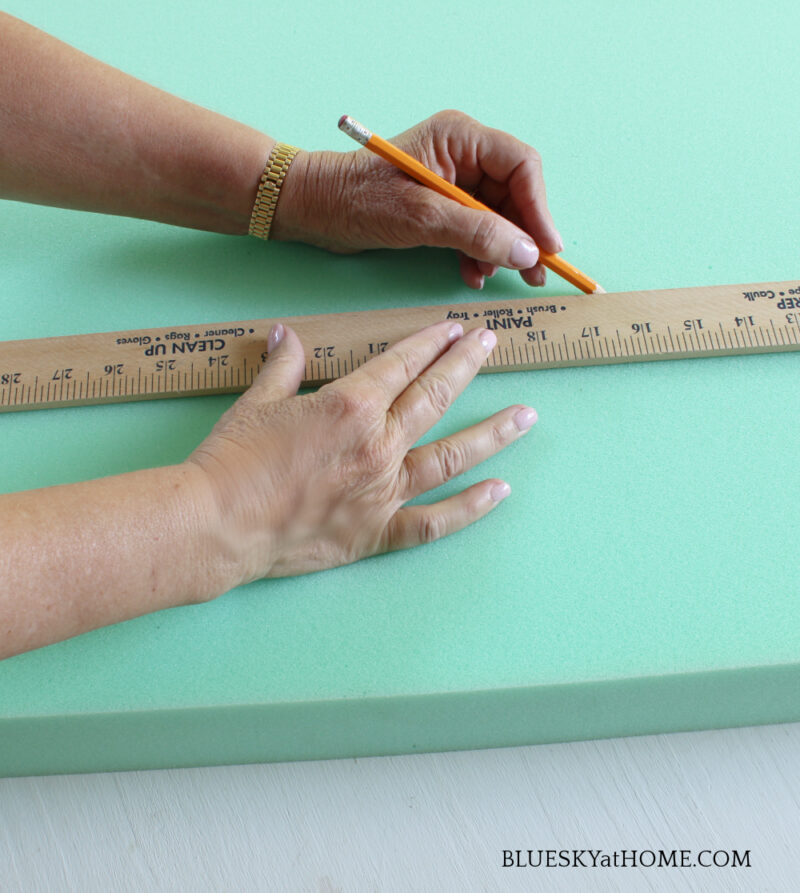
[(233, 543), (311, 203)]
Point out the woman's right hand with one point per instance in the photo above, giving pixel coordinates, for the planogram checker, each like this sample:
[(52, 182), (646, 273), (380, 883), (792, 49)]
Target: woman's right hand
[(303, 483), (352, 201)]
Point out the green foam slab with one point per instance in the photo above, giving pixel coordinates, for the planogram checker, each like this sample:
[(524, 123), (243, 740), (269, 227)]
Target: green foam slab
[(642, 576), (633, 583)]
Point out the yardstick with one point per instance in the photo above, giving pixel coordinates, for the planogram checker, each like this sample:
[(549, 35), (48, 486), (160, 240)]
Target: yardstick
[(532, 333)]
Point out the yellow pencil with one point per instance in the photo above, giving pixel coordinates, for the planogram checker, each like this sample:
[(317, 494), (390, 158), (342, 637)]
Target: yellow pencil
[(427, 177)]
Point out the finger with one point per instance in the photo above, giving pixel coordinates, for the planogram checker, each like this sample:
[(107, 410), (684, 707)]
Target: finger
[(527, 192), (504, 159), (470, 271), (436, 463), (399, 365), (427, 397), (482, 235), (535, 276), (281, 374), (487, 270), (477, 157), (415, 525), (507, 174)]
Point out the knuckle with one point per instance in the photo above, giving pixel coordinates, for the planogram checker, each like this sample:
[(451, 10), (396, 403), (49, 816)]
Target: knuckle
[(412, 362), (438, 392), (529, 176), (451, 116), (450, 122), (349, 403), (431, 527), (535, 158), (375, 456), (483, 238), (451, 457), (501, 433)]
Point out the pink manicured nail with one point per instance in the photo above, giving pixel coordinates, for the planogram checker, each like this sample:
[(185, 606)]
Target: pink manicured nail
[(488, 339), (275, 337), (455, 332), (524, 254), (499, 491), (525, 418)]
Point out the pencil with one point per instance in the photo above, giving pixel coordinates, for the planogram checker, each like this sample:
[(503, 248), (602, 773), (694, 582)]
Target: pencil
[(427, 177)]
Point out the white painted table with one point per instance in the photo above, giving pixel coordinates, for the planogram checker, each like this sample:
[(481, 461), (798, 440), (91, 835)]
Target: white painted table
[(437, 822)]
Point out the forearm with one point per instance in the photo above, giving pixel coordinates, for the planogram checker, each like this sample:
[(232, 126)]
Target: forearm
[(80, 556), (77, 133)]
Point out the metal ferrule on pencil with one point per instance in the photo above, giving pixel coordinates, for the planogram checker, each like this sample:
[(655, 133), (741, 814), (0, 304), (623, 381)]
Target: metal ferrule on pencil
[(355, 130)]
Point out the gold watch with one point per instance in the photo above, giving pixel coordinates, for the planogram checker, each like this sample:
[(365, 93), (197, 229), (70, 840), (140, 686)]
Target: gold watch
[(272, 179)]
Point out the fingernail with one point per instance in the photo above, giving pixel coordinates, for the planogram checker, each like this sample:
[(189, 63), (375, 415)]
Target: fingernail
[(524, 254), (488, 339), (275, 337), (499, 491), (456, 331), (525, 418), (559, 243), (540, 276)]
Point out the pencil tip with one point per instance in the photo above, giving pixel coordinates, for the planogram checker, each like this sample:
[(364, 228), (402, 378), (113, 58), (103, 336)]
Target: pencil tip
[(599, 290)]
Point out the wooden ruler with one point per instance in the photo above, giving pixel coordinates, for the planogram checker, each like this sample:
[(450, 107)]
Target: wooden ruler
[(532, 333)]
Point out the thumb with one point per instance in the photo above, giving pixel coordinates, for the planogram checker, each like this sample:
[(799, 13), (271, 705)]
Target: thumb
[(281, 374), (485, 236)]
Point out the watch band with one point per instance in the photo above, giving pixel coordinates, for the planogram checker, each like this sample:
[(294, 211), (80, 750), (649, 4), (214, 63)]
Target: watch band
[(271, 181)]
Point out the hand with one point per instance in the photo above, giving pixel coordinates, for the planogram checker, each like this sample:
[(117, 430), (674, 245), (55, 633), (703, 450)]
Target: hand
[(347, 202), (303, 483)]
